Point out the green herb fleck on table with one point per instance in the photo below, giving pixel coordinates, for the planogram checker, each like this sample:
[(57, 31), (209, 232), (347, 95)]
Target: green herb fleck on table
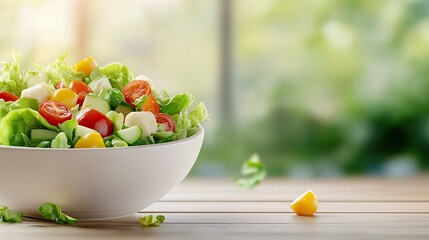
[(253, 171), (151, 221), (8, 216), (53, 212)]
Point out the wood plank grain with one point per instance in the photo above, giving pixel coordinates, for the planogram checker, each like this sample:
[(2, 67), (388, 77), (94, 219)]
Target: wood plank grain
[(357, 208), (234, 226), (283, 207), (328, 190)]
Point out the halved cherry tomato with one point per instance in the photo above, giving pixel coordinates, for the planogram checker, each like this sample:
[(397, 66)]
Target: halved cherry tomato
[(8, 96), (96, 120), (55, 112), (163, 118), (81, 88), (66, 96), (151, 105), (60, 84), (85, 65), (135, 89)]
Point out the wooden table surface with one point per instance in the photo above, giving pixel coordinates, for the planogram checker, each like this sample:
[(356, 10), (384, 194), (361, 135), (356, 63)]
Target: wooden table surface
[(353, 208)]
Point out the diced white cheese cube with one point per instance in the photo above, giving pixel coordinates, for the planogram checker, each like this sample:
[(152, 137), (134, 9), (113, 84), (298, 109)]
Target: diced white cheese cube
[(41, 92), (146, 120)]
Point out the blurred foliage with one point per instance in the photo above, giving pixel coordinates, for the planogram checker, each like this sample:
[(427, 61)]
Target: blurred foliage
[(327, 88)]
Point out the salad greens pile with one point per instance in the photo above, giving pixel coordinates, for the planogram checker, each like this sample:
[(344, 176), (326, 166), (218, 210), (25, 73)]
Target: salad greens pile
[(88, 106)]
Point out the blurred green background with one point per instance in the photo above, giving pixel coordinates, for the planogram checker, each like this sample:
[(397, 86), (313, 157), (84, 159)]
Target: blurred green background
[(317, 88)]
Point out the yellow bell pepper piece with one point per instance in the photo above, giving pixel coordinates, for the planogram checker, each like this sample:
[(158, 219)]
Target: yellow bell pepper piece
[(306, 204), (86, 65), (66, 96), (90, 140)]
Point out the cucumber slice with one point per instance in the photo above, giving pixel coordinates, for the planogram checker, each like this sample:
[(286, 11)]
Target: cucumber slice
[(82, 131), (97, 103), (124, 108), (130, 135), (40, 135), (117, 120)]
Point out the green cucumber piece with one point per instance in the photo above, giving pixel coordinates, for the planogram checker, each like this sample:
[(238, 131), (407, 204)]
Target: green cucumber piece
[(82, 131), (40, 135), (130, 135), (117, 120), (97, 103), (124, 108)]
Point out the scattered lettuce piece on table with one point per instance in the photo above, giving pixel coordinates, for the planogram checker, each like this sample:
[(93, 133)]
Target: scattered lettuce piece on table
[(21, 121), (151, 221), (253, 171), (11, 79), (53, 212), (8, 216)]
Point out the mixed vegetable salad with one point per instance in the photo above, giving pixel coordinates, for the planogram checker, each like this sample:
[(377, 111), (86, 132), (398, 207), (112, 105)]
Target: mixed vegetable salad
[(88, 106)]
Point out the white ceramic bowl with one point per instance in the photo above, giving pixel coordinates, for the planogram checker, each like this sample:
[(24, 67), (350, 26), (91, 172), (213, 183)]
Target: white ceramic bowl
[(94, 184)]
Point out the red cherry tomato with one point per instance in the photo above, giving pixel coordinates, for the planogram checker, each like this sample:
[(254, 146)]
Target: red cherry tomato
[(55, 112), (96, 120), (60, 84), (170, 125), (8, 96), (151, 105), (81, 88), (135, 89)]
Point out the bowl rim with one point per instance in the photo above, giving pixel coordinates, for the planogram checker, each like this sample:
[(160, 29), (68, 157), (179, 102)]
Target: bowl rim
[(157, 145)]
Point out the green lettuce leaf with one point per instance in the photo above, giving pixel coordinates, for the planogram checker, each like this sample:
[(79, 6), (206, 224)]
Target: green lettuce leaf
[(53, 212), (253, 171), (162, 97), (21, 121), (68, 127), (151, 221), (138, 103), (59, 70), (25, 103), (60, 141), (113, 96), (198, 115), (177, 104), (182, 121), (11, 79), (8, 216), (4, 108), (118, 74)]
